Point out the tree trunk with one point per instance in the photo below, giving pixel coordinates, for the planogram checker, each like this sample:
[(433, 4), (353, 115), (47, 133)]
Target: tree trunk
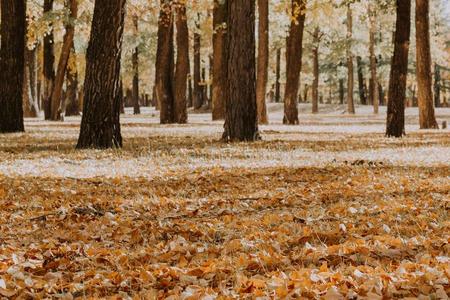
[(399, 70), (72, 107), (219, 84), (198, 91), (100, 125), (278, 77), (427, 117), (30, 107), (49, 64), (341, 91), (263, 60), (374, 97), (57, 92), (361, 87), (350, 79), (182, 65), (135, 62), (241, 122), (165, 63), (12, 64), (294, 62), (315, 85)]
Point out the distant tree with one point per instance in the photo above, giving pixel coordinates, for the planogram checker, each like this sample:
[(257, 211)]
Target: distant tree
[(399, 71), (49, 64), (198, 89), (374, 98), (100, 125), (241, 122), (12, 64), (263, 60), (350, 71), (135, 62), (72, 105), (219, 84), (427, 117)]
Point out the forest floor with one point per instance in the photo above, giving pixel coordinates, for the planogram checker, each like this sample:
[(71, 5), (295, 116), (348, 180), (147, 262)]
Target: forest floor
[(328, 209)]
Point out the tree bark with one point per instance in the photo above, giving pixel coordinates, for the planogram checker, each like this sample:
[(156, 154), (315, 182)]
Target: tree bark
[(263, 61), (12, 64), (57, 92), (198, 91), (278, 77), (350, 76), (49, 64), (427, 118), (241, 122), (72, 107), (219, 84), (294, 62), (315, 85), (182, 65), (399, 70), (165, 63), (30, 107), (361, 87), (374, 97), (100, 125)]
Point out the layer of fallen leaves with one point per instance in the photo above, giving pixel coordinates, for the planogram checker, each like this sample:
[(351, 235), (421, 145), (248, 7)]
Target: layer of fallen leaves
[(360, 229)]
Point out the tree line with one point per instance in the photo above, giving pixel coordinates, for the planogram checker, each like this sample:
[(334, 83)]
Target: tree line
[(239, 65)]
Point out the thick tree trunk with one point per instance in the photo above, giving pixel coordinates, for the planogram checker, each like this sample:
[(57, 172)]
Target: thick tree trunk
[(49, 65), (57, 92), (399, 70), (263, 60), (135, 62), (12, 65), (350, 76), (198, 90), (427, 118), (72, 107), (182, 66), (374, 97), (294, 62), (361, 86), (278, 77), (165, 63), (241, 122), (315, 85), (219, 84), (100, 125)]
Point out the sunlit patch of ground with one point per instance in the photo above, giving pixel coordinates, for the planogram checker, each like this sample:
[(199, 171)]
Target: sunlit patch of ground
[(330, 208)]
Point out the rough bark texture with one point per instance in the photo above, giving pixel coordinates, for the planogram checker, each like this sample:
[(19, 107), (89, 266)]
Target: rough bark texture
[(57, 92), (182, 66), (12, 65), (198, 90), (294, 62), (315, 85), (278, 77), (219, 84), (374, 97), (135, 62), (399, 71), (72, 106), (241, 122), (427, 117), (361, 80), (263, 61), (350, 76), (100, 125), (49, 64), (165, 63)]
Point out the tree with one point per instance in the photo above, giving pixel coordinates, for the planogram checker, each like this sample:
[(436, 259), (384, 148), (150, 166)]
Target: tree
[(49, 63), (56, 112), (241, 122), (219, 84), (373, 90), (73, 105), (317, 36), (350, 76), (198, 89), (263, 61), (294, 61), (182, 65), (427, 117), (12, 64), (100, 125), (165, 63), (135, 62), (399, 71)]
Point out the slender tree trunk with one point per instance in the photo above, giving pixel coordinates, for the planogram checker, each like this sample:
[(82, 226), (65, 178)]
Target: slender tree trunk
[(165, 63), (182, 65), (135, 61), (350, 76), (100, 125), (361, 87), (30, 108), (190, 92), (72, 107), (263, 60), (294, 62), (341, 91), (374, 97), (278, 77), (315, 85), (49, 64), (57, 92), (241, 122), (399, 71), (219, 84), (427, 118), (198, 91), (12, 64)]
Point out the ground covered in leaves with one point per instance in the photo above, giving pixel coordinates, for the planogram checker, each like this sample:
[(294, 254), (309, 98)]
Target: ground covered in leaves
[(330, 209)]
